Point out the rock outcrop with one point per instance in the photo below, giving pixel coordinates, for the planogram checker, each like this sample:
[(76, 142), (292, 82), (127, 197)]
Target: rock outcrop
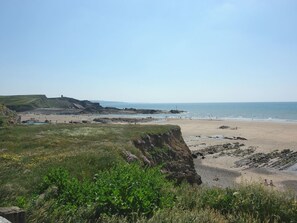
[(8, 117), (171, 152), (13, 214)]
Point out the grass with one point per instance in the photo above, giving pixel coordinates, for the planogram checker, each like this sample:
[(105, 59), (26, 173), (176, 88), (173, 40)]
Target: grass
[(20, 99), (24, 102), (28, 152), (29, 102), (77, 173)]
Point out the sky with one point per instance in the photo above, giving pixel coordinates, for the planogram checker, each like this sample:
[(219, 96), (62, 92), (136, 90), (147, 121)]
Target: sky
[(150, 50)]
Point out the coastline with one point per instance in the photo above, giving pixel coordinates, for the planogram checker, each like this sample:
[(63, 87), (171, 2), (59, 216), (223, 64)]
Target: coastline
[(216, 170)]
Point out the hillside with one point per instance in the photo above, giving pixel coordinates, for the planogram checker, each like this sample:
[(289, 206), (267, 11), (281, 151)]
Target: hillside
[(65, 105), (22, 103)]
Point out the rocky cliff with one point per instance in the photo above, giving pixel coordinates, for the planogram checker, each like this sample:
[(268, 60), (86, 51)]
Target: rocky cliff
[(7, 116), (171, 152)]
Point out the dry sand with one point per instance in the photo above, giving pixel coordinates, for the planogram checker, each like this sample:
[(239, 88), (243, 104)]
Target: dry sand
[(264, 136)]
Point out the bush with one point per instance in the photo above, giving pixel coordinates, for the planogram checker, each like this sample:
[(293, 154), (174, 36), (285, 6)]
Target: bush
[(129, 189), (125, 190)]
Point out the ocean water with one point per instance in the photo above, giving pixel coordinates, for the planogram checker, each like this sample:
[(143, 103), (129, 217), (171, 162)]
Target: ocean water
[(267, 111)]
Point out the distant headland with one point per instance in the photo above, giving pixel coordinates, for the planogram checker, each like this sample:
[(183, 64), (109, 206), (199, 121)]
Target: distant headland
[(66, 105)]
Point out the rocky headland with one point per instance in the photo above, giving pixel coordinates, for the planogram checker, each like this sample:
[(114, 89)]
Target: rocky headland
[(40, 104)]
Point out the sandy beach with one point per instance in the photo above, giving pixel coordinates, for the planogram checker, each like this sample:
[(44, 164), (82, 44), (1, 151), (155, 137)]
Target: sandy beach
[(219, 169), (263, 137)]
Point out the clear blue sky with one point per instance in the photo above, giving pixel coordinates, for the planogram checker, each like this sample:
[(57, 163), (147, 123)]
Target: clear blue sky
[(150, 50)]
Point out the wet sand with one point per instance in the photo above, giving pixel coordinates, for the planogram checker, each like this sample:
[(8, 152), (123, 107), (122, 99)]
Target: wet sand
[(217, 177)]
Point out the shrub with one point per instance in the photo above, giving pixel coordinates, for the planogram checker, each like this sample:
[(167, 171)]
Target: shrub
[(124, 190), (128, 189)]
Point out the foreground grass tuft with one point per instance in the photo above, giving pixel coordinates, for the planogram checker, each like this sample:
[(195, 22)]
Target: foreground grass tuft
[(247, 203)]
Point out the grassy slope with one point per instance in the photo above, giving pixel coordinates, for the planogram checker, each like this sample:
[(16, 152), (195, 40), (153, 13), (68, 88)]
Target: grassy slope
[(29, 102), (28, 152), (24, 102), (21, 99)]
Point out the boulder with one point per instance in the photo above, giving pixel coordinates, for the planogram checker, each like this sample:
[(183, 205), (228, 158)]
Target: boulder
[(13, 214), (4, 220)]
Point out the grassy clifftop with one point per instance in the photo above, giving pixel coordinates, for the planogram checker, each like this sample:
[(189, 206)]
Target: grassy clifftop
[(28, 152), (21, 103)]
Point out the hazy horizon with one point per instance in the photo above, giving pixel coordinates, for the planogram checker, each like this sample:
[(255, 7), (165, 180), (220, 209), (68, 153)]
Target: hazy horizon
[(141, 102), (150, 51)]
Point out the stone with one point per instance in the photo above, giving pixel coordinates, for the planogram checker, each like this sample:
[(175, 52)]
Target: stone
[(4, 220), (13, 214), (224, 127), (130, 157)]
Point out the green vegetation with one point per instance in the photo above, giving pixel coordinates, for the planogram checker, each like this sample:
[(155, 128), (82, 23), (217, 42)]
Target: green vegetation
[(27, 153), (129, 193), (78, 173), (124, 190), (21, 103), (24, 102)]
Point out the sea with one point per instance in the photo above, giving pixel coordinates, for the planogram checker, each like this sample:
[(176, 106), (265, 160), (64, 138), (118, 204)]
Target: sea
[(258, 111)]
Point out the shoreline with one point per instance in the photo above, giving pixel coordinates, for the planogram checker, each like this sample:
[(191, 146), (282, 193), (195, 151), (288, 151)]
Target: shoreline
[(255, 137), (160, 117)]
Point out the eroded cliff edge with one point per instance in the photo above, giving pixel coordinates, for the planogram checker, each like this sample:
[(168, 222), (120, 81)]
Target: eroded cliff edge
[(171, 152)]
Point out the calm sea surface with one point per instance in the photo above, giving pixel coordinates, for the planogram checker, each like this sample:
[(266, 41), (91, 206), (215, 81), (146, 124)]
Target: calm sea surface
[(268, 111)]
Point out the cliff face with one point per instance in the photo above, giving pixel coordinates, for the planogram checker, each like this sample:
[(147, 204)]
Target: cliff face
[(8, 117), (170, 151)]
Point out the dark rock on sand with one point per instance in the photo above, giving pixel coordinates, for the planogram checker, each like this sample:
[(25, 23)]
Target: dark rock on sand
[(277, 160), (235, 138), (231, 149), (123, 120), (224, 127)]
